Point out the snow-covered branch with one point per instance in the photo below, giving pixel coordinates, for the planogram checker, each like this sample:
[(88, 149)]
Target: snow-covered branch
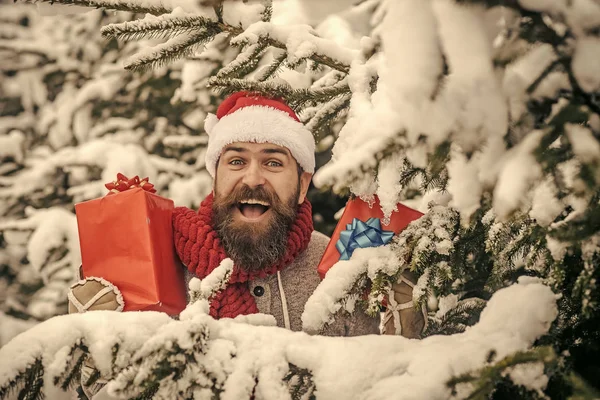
[(225, 356)]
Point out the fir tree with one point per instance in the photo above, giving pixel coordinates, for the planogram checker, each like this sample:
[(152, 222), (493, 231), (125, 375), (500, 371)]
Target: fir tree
[(497, 139), (72, 118)]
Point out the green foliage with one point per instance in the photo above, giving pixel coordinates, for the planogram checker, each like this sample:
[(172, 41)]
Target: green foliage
[(300, 382), (29, 383), (485, 381)]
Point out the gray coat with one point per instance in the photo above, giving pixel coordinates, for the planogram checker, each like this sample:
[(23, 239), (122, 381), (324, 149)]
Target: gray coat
[(299, 280)]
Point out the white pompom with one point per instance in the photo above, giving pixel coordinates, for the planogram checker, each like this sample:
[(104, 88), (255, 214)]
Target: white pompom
[(209, 122)]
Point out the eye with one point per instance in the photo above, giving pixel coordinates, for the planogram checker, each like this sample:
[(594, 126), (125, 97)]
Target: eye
[(274, 163), (236, 161)]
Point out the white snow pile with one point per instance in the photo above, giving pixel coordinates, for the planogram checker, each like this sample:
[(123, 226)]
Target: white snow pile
[(235, 353)]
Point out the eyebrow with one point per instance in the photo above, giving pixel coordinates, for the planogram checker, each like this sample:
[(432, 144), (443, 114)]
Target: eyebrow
[(275, 151), (236, 149), (264, 151)]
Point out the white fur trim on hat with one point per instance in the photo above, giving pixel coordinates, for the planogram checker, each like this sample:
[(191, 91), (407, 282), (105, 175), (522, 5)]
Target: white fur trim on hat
[(261, 124), (209, 122)]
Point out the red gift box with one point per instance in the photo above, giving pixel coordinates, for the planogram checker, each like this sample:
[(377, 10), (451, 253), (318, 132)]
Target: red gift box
[(127, 239), (359, 217)]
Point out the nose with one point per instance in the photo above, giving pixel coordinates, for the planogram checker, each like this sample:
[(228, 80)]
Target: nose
[(254, 176)]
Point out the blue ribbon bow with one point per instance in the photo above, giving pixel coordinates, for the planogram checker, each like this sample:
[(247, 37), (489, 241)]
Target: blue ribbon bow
[(360, 234)]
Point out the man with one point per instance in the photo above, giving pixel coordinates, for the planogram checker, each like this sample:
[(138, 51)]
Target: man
[(262, 160)]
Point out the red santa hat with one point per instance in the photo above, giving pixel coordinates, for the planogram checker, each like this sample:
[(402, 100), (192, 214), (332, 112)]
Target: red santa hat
[(248, 117)]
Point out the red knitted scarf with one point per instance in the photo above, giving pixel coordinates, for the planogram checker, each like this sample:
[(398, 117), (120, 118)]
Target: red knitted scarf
[(199, 248)]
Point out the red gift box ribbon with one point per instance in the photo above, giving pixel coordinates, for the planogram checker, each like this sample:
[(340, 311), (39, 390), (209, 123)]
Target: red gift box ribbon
[(123, 183)]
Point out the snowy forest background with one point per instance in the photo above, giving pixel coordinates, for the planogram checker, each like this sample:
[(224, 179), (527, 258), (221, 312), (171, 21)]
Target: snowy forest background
[(485, 115)]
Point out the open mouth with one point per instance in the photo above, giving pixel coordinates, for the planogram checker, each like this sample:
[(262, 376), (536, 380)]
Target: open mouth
[(252, 208)]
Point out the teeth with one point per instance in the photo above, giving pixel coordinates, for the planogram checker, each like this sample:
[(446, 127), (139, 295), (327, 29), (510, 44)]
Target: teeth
[(254, 201)]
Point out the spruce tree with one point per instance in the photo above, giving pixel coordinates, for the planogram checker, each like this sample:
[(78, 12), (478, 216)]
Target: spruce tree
[(484, 114), (71, 118)]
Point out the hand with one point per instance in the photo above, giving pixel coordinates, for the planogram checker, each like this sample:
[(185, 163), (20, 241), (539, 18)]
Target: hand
[(412, 321)]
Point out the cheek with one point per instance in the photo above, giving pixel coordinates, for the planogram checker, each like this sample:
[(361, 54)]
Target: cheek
[(286, 186), (223, 186)]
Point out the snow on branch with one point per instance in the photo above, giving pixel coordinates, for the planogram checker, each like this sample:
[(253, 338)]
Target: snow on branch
[(341, 281), (298, 99), (301, 43), (232, 360), (155, 7), (167, 25), (180, 46), (213, 283)]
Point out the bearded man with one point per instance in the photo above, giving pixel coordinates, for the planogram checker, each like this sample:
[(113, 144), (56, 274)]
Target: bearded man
[(262, 158)]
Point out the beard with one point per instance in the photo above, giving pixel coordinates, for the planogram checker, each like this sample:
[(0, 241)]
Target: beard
[(254, 246)]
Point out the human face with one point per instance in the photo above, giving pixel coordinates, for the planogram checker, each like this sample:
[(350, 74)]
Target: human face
[(264, 165), (254, 213)]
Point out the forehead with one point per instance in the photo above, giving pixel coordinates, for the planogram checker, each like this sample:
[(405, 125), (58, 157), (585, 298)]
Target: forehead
[(248, 147)]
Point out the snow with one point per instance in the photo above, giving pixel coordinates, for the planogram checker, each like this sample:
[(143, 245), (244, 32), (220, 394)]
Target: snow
[(471, 94), (420, 288), (519, 172), (12, 145), (234, 353), (388, 186), (300, 42), (214, 282), (327, 298), (242, 14), (586, 63), (545, 205), (52, 228), (530, 375), (186, 41), (445, 304), (585, 146), (464, 185), (189, 192), (11, 327), (411, 110), (522, 73), (579, 14), (99, 330)]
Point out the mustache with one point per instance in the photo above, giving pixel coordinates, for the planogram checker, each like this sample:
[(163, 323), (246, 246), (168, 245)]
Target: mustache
[(245, 192)]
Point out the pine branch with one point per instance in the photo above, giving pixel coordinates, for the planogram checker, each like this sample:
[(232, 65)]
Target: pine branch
[(581, 389), (227, 86), (302, 98), (93, 378), (580, 228), (456, 320), (327, 114), (244, 63), (485, 379), (301, 383), (34, 382), (173, 49), (268, 12), (166, 26), (73, 376), (273, 68), (297, 99), (136, 6), (316, 57)]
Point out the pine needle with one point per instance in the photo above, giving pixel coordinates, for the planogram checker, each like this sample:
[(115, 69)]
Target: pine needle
[(165, 27), (175, 48)]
